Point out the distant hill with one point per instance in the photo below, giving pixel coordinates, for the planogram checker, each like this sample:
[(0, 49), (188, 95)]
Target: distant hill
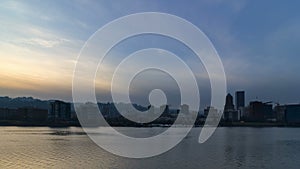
[(19, 102), (7, 102)]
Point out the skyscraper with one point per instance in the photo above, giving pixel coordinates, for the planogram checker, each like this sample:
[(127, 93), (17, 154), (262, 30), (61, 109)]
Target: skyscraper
[(240, 99), (230, 115), (229, 102)]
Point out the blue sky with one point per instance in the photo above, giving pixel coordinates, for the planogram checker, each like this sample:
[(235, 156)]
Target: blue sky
[(256, 40)]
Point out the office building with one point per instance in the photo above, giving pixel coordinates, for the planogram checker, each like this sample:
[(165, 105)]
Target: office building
[(289, 113), (259, 111), (239, 99), (229, 102)]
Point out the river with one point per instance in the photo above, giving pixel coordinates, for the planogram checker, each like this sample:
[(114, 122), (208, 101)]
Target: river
[(232, 148)]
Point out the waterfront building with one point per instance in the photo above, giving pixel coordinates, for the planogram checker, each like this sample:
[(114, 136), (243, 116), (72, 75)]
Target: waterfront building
[(59, 110), (230, 114), (289, 113), (239, 99), (259, 111)]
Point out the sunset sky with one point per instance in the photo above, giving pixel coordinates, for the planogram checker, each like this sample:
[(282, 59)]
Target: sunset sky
[(258, 42)]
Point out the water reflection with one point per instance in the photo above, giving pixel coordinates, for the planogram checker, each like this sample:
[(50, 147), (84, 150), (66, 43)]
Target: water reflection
[(42, 147)]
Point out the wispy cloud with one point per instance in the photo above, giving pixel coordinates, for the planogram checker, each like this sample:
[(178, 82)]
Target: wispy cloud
[(39, 41), (43, 43)]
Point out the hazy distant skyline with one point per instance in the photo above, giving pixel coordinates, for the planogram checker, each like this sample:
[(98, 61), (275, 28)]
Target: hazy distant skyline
[(256, 40)]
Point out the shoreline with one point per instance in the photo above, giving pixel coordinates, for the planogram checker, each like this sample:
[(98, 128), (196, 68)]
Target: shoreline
[(76, 124)]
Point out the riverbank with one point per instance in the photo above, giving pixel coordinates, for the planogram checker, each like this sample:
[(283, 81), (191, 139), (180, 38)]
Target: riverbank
[(77, 124)]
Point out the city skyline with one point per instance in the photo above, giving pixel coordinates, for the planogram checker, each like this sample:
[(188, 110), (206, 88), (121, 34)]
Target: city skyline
[(149, 84), (34, 112), (232, 100)]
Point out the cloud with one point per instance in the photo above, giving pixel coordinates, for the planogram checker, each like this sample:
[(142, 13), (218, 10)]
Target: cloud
[(40, 41), (43, 43)]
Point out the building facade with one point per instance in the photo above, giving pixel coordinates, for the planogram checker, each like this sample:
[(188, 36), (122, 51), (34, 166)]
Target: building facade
[(59, 110), (239, 99), (230, 114), (23, 114), (259, 111)]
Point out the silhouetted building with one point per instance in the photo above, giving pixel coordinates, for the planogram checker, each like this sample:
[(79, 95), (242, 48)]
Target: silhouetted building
[(239, 99), (12, 114), (4, 113), (240, 103), (229, 102), (280, 113), (259, 111), (210, 109), (23, 114), (59, 110), (290, 113), (230, 114), (33, 114)]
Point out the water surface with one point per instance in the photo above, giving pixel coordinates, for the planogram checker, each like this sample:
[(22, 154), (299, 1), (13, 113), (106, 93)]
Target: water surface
[(232, 148)]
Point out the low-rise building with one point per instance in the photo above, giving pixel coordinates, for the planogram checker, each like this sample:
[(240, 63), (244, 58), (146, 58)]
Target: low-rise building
[(289, 113)]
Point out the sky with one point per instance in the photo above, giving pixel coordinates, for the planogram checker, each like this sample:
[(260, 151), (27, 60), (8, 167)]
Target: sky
[(257, 41)]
